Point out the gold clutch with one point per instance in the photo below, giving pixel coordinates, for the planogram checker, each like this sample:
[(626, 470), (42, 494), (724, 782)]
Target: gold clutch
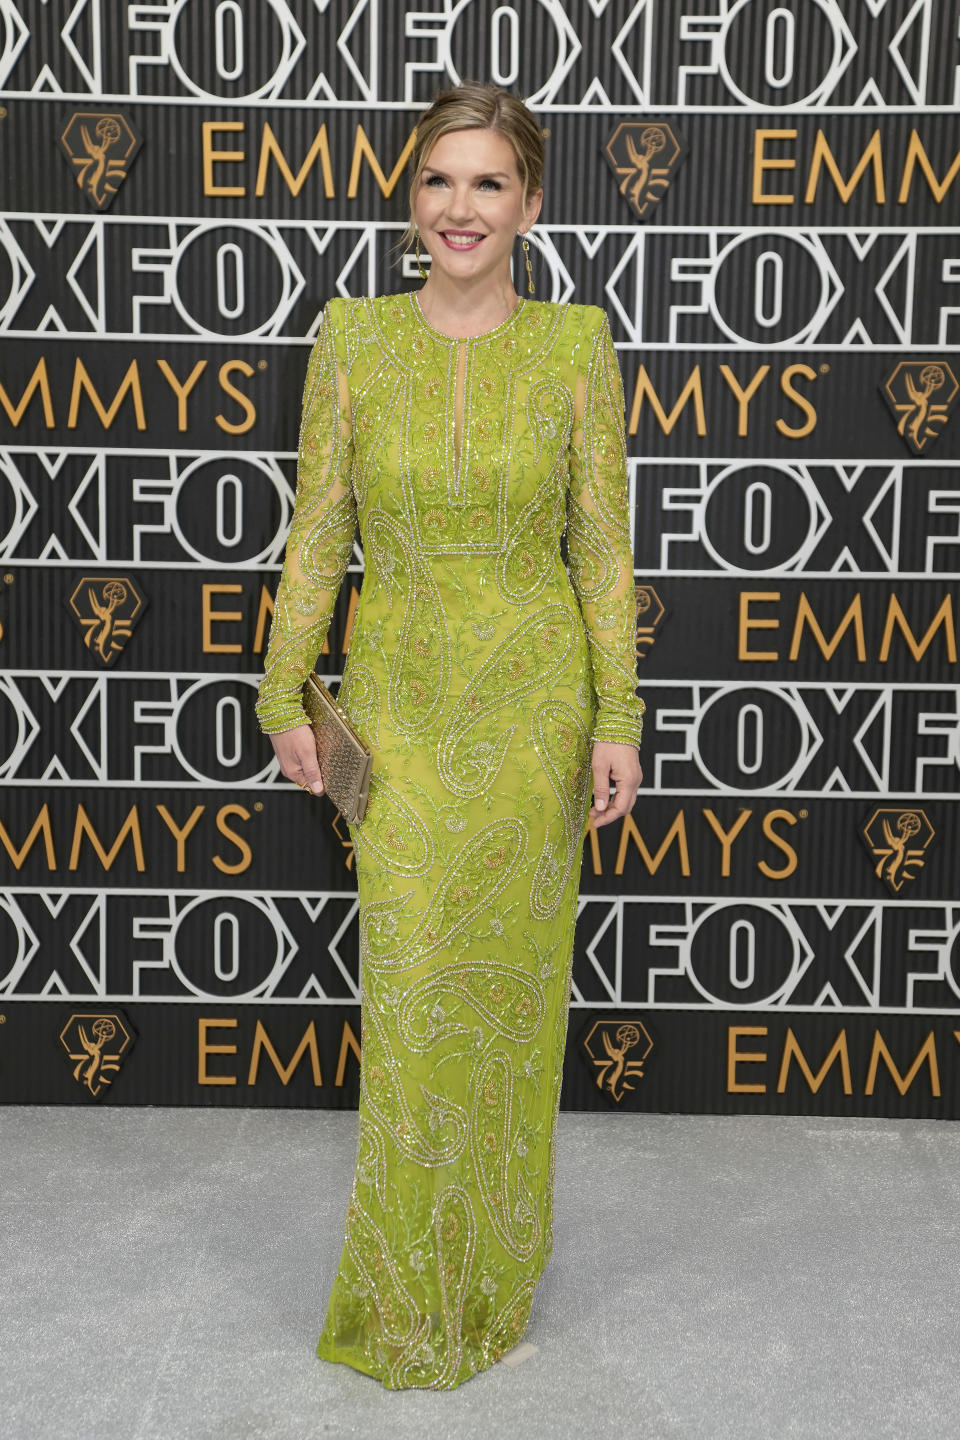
[(345, 762)]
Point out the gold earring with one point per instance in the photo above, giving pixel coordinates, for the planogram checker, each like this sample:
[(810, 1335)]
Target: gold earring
[(526, 256), (423, 273)]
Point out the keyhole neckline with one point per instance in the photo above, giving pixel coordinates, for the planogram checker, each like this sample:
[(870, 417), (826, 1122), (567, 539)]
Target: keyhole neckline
[(460, 339)]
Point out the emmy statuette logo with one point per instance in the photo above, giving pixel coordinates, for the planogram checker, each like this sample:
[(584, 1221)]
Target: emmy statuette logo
[(650, 615), (616, 1049), (898, 840), (921, 394), (96, 1044), (644, 155), (99, 146), (106, 607)]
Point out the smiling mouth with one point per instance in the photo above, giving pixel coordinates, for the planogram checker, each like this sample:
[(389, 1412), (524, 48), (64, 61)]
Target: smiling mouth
[(461, 239)]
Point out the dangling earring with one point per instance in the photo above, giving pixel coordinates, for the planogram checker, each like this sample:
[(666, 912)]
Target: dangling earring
[(423, 273), (526, 256)]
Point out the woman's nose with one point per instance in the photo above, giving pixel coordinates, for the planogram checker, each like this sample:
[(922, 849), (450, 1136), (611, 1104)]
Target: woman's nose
[(460, 206)]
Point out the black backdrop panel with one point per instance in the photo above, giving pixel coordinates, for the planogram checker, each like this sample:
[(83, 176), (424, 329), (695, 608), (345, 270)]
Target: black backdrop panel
[(776, 926)]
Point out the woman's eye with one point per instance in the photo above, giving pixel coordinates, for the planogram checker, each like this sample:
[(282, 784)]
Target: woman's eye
[(435, 180)]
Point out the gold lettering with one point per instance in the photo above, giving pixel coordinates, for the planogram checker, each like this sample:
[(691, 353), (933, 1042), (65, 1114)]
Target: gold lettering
[(915, 152), (737, 1057), (262, 1042), (348, 1043), (244, 401), (896, 617), (677, 831), (748, 622), (41, 826), (82, 382), (797, 432), (264, 617), (210, 617), (762, 162), (780, 843), (743, 397), (270, 147), (791, 1050), (593, 840), (246, 854), (204, 1049), (927, 1051), (180, 835), (220, 157), (362, 149), (726, 837), (805, 616), (182, 390), (39, 380), (822, 154), (643, 389), (84, 826)]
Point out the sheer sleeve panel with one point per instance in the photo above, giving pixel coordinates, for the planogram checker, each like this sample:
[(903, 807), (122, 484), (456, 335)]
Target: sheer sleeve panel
[(598, 537), (320, 543)]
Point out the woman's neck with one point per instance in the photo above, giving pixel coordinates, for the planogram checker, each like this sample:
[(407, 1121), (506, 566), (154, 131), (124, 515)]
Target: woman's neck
[(467, 309)]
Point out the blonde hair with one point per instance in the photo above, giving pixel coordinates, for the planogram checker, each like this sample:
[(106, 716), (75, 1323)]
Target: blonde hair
[(474, 105)]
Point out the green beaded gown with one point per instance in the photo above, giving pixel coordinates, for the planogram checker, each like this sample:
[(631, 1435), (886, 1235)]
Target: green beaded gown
[(480, 670)]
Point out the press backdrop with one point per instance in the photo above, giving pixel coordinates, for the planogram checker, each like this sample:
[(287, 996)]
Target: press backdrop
[(764, 195)]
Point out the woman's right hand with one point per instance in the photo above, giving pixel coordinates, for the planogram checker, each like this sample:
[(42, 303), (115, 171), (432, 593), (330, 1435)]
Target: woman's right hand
[(297, 752)]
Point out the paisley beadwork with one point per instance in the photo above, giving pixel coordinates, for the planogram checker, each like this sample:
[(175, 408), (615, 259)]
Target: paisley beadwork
[(503, 996), (480, 869), (514, 670), (561, 741), (511, 1213), (481, 671), (386, 1097), (401, 842), (420, 674)]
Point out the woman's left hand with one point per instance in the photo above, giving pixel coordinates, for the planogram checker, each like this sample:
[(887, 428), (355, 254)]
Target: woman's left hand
[(617, 765)]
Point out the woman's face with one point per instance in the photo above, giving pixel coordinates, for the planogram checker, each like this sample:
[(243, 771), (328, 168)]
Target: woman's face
[(467, 204)]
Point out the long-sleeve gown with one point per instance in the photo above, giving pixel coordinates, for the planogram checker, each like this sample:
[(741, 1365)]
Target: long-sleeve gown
[(480, 670)]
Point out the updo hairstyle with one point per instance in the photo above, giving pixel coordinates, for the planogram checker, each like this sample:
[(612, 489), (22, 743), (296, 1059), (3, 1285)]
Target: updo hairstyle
[(478, 106)]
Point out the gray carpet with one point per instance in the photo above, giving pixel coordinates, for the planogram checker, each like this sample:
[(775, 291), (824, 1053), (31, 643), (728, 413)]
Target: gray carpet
[(165, 1274)]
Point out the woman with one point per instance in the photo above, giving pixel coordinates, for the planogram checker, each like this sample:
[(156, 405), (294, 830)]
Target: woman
[(465, 426)]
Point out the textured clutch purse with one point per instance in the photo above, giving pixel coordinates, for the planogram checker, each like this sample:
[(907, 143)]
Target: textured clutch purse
[(345, 762)]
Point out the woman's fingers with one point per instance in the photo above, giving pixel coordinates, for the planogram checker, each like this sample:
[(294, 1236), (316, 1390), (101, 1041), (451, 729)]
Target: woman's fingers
[(296, 751), (614, 766), (309, 773), (618, 766)]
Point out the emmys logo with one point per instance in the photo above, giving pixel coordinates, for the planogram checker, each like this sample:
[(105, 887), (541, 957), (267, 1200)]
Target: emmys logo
[(922, 394), (95, 1044), (644, 156), (650, 612), (106, 608), (99, 147), (897, 839), (608, 1043)]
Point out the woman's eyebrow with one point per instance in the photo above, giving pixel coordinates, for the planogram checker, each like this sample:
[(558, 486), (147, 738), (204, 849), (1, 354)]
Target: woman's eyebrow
[(481, 174)]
